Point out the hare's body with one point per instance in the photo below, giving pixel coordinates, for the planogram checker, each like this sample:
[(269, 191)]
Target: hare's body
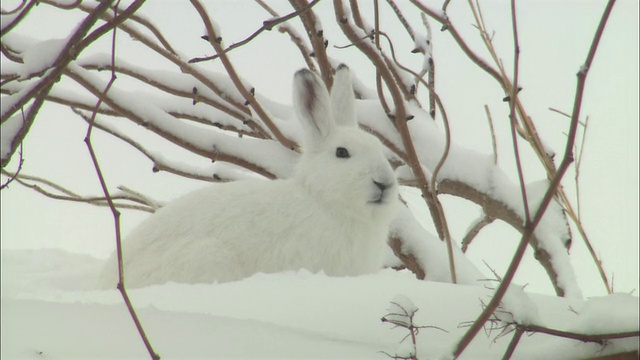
[(332, 215), (176, 244)]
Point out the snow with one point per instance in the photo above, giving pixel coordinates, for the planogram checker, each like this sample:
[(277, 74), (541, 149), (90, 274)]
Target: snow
[(41, 56), (607, 314), (272, 155), (479, 171), (9, 131), (518, 307), (283, 315)]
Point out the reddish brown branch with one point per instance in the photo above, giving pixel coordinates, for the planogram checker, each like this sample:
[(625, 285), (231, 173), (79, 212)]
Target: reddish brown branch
[(38, 92), (114, 210), (555, 183), (408, 259), (289, 144), (267, 25), (318, 42), (174, 138)]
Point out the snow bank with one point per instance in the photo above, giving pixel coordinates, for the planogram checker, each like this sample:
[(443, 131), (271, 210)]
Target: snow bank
[(287, 315)]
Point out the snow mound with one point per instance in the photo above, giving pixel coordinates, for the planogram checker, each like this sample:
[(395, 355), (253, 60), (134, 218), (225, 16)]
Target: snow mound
[(49, 311)]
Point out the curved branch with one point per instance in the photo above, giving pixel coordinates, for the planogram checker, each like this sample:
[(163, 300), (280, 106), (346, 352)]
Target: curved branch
[(316, 36), (267, 25), (25, 10), (289, 144), (498, 210), (174, 138)]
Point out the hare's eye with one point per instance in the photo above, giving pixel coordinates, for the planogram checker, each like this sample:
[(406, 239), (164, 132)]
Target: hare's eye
[(342, 153)]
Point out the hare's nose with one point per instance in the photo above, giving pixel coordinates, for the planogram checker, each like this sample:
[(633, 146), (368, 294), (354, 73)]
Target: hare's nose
[(380, 185)]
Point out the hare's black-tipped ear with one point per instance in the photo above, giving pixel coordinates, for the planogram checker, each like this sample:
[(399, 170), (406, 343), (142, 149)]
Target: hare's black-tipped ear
[(313, 106), (342, 99)]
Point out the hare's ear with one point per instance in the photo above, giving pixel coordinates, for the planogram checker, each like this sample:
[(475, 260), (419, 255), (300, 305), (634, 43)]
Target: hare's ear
[(342, 99), (313, 106)]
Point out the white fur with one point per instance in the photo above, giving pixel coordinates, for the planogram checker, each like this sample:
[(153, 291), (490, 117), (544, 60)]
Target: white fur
[(329, 216)]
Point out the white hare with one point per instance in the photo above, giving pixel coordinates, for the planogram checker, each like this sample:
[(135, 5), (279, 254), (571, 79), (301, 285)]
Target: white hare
[(332, 215)]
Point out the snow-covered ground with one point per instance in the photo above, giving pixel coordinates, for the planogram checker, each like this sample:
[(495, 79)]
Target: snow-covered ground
[(49, 312)]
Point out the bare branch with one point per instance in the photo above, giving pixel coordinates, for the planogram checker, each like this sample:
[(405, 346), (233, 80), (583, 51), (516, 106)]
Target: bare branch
[(267, 25), (530, 228), (475, 230), (289, 144)]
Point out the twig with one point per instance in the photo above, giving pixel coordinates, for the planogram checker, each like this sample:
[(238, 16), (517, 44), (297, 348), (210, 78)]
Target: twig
[(24, 10), (209, 153), (267, 25), (20, 162), (400, 116), (493, 134), (532, 137), (15, 10), (566, 161), (289, 144), (318, 42), (596, 338), (114, 210), (379, 89), (158, 163), (72, 196), (295, 37), (475, 230), (169, 88), (408, 259), (402, 19), (499, 210), (513, 343), (44, 85), (445, 235), (578, 163), (458, 38), (534, 140), (512, 113)]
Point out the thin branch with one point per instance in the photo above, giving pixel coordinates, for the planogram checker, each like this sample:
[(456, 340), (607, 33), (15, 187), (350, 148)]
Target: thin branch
[(267, 25), (513, 343), (531, 135), (578, 164), (402, 19), (446, 235), (512, 113), (20, 163), (73, 197), (596, 338), (475, 230), (159, 164), (400, 116), (183, 65), (496, 209), (493, 134), (295, 37), (444, 20), (379, 88), (114, 210), (408, 259), (44, 85), (172, 137), (169, 88), (566, 161), (24, 10), (289, 144), (318, 42)]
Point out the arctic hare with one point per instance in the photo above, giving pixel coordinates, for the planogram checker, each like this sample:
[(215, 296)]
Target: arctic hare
[(332, 215)]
